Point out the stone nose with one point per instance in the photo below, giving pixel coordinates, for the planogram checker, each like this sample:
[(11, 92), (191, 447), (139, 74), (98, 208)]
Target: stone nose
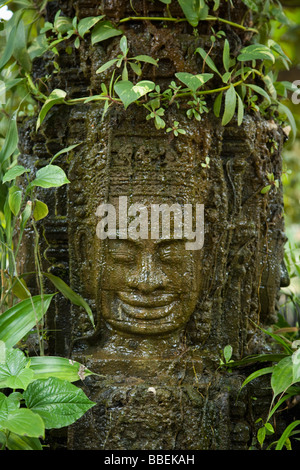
[(147, 276)]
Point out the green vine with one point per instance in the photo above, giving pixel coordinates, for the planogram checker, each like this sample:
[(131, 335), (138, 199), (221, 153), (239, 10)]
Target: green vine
[(238, 92)]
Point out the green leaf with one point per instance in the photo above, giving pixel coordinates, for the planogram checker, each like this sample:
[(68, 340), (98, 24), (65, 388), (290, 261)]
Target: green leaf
[(15, 199), (44, 367), (14, 172), (20, 51), (25, 423), (58, 402), (87, 23), (128, 93), (260, 91), (123, 45), (40, 210), (266, 189), (57, 96), (194, 10), (19, 288), (230, 105), (62, 151), (227, 352), (11, 140), (63, 24), (226, 55), (103, 31), (286, 433), (193, 82), (9, 47), (16, 442), (256, 52), (70, 294), (207, 60), (14, 373), (282, 108), (282, 376), (240, 110), (106, 66), (145, 58), (18, 320), (50, 176), (25, 215), (217, 104), (256, 374)]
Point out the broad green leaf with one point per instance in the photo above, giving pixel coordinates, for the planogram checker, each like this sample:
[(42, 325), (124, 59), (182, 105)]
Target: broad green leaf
[(87, 23), (58, 402), (15, 199), (14, 373), (57, 96), (256, 52), (282, 376), (106, 66), (16, 442), (18, 320), (50, 176), (24, 422), (193, 81), (59, 367), (70, 294), (14, 172), (40, 210), (230, 105), (194, 10), (104, 30), (128, 92)]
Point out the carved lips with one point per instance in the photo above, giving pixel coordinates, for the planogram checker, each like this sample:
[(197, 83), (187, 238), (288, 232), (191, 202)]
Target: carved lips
[(147, 307)]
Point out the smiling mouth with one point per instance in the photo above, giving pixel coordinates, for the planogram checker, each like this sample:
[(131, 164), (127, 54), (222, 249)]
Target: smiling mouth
[(147, 307)]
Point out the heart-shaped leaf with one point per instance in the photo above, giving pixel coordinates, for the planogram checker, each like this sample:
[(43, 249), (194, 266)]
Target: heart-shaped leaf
[(193, 81), (128, 92)]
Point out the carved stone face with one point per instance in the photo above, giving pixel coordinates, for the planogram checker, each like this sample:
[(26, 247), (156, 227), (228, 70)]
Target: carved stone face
[(149, 287)]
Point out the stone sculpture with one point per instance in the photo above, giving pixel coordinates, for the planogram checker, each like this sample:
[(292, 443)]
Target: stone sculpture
[(163, 312)]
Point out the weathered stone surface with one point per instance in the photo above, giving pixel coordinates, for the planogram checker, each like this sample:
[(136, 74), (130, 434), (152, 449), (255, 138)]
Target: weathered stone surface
[(159, 385)]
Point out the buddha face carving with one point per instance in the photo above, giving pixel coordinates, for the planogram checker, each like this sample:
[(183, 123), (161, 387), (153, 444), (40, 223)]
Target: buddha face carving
[(149, 287)]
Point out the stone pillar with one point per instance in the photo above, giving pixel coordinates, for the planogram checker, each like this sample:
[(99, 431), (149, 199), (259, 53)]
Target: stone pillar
[(163, 313)]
